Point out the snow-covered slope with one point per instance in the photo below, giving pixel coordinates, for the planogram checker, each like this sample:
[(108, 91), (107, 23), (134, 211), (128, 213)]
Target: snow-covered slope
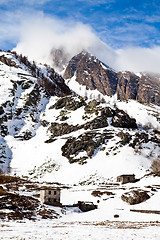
[(83, 140), (25, 90), (43, 158), (35, 128)]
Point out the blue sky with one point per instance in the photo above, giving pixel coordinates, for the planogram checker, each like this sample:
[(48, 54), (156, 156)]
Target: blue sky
[(119, 23)]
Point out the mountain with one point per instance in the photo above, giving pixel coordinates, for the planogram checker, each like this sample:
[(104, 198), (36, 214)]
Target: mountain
[(60, 59), (52, 136), (87, 70), (45, 75), (25, 91), (49, 131), (92, 73)]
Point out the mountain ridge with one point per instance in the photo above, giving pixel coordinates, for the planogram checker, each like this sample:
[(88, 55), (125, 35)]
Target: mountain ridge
[(59, 130), (92, 73)]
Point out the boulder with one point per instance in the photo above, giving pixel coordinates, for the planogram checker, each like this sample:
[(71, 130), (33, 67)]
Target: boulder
[(135, 197), (122, 120), (86, 206)]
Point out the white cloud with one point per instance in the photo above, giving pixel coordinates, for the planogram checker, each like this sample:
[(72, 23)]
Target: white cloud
[(97, 2), (11, 25), (139, 59), (26, 2), (32, 2), (38, 35), (41, 34)]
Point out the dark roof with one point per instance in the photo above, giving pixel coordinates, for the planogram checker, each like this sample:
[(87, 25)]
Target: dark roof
[(126, 175), (49, 188)]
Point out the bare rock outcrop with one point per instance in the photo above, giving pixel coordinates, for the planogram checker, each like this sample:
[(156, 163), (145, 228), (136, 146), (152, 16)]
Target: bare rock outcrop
[(149, 89), (122, 120), (127, 86), (89, 71), (8, 61), (57, 129), (135, 197), (85, 145)]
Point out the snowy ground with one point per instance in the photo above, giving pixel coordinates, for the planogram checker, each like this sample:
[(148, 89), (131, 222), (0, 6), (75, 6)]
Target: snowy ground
[(58, 230), (97, 224)]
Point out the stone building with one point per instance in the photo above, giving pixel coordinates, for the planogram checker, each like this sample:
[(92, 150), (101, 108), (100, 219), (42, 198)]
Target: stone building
[(126, 178), (50, 196)]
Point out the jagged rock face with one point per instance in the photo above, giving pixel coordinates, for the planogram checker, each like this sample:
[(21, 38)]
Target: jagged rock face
[(89, 71), (68, 103), (53, 83), (121, 119), (145, 89), (149, 89), (127, 86), (92, 73), (79, 148), (57, 129), (118, 118)]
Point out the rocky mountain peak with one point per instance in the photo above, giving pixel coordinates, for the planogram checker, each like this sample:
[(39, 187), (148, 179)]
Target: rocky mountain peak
[(60, 59), (92, 73), (89, 71)]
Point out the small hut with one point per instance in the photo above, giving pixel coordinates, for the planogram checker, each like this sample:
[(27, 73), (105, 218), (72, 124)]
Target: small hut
[(50, 196), (126, 178)]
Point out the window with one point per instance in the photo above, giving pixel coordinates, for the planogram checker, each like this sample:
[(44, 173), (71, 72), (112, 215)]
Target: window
[(49, 200), (55, 192), (128, 178), (49, 192), (55, 200)]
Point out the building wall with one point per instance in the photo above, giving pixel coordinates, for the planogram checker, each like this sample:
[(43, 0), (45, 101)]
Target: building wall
[(42, 194), (126, 179), (50, 196)]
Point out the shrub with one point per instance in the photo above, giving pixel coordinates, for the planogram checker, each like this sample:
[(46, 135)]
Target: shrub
[(155, 167)]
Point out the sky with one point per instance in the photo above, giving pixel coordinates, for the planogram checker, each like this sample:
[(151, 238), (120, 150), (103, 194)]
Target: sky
[(130, 27)]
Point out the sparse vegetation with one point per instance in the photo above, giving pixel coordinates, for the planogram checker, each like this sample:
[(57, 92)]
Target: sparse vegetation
[(20, 206), (47, 167), (155, 167), (9, 179)]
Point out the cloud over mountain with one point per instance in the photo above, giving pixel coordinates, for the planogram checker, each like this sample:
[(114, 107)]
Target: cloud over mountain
[(41, 34), (139, 59)]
